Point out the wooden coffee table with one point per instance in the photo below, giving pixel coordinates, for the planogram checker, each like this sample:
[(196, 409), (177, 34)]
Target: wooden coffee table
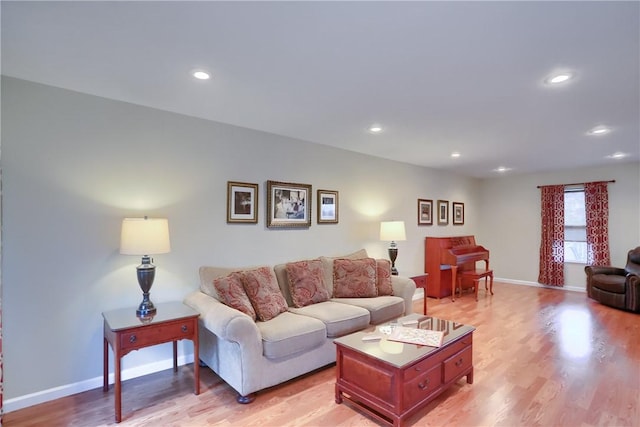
[(392, 381)]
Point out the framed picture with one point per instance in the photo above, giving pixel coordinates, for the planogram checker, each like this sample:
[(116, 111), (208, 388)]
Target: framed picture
[(327, 207), (425, 212), (458, 213), (288, 204), (242, 202), (443, 212)]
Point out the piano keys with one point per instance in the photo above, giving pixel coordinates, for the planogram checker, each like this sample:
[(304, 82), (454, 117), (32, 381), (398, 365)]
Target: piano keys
[(445, 256)]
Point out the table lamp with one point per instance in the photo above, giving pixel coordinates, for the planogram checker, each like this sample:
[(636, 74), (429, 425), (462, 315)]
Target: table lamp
[(145, 236), (392, 231)]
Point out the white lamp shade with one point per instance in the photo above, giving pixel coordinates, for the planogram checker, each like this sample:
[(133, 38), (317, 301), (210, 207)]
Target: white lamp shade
[(144, 236), (392, 231)]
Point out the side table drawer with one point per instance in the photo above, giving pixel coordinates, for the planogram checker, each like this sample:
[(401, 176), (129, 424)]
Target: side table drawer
[(143, 337), (457, 364)]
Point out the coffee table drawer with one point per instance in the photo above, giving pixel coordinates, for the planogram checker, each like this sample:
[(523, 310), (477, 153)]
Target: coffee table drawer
[(457, 364), (422, 386)]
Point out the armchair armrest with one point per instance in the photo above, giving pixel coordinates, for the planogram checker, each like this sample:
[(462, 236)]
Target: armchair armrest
[(632, 291), (225, 322), (597, 269), (404, 287)]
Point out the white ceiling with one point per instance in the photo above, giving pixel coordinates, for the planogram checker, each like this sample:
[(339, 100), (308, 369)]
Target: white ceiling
[(438, 76)]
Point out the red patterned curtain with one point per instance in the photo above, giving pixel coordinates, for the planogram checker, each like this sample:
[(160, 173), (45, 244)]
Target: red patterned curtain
[(596, 200), (552, 240)]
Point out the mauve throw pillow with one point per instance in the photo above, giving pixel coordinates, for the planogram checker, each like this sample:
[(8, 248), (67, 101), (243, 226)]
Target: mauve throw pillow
[(306, 282), (383, 277), (262, 289), (231, 292), (354, 278)]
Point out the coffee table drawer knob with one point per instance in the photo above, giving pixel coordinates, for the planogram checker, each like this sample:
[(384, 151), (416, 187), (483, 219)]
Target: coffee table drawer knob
[(184, 328), (423, 385)]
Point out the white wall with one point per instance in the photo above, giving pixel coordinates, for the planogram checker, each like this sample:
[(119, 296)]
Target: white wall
[(510, 219), (74, 165)]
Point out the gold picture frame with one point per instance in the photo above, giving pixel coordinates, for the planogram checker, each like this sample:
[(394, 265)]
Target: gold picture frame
[(288, 205), (242, 202), (327, 207)]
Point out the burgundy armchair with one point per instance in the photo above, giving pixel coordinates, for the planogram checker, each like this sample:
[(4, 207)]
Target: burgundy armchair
[(616, 287)]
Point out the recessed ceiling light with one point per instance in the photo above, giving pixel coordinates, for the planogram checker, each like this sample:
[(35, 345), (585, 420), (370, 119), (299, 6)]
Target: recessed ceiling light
[(502, 169), (201, 75), (455, 154), (617, 155), (599, 130), (558, 78), (375, 128)]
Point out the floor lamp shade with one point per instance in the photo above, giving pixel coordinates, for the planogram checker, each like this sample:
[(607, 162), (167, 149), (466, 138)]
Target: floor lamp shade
[(392, 231), (144, 237)]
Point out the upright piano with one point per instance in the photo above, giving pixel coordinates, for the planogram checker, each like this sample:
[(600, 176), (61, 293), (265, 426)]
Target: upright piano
[(445, 256)]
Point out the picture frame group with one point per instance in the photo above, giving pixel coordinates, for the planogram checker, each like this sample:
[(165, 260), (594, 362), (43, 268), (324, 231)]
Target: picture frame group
[(426, 212), (289, 205)]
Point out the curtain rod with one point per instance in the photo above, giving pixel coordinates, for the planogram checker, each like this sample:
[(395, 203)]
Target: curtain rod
[(578, 183)]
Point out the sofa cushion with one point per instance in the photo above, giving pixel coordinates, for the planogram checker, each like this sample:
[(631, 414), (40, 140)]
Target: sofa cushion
[(289, 334), (381, 309), (354, 278), (610, 283), (339, 319), (231, 293), (327, 265), (383, 277), (306, 282), (262, 289)]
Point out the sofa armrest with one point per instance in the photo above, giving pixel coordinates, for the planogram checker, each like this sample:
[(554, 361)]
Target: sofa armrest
[(404, 287), (225, 322)]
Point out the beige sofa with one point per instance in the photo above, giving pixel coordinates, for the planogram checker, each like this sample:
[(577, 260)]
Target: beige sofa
[(253, 355)]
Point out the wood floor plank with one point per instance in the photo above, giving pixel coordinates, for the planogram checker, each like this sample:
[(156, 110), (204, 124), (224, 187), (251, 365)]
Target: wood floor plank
[(542, 357)]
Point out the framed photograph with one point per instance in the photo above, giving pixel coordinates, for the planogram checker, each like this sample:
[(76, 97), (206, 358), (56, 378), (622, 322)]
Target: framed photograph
[(327, 207), (458, 213), (288, 204), (242, 202), (443, 212), (425, 212)]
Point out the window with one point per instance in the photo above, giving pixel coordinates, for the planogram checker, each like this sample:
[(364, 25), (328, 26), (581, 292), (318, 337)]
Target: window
[(575, 226)]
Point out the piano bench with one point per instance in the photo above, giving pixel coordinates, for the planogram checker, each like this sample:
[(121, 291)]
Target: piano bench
[(475, 275)]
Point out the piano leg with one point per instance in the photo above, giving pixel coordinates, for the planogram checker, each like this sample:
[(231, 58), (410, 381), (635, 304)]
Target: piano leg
[(454, 279)]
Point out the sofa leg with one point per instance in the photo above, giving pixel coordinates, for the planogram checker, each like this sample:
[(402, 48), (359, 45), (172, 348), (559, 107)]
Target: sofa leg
[(246, 399)]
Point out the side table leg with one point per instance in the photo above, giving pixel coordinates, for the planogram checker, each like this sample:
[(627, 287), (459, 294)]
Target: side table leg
[(105, 366), (118, 389), (196, 358), (175, 356)]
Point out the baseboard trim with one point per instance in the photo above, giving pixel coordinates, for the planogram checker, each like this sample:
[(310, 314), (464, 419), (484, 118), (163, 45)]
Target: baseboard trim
[(43, 396), (538, 285)]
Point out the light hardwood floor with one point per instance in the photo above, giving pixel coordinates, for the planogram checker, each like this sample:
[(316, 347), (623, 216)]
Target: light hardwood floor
[(542, 357)]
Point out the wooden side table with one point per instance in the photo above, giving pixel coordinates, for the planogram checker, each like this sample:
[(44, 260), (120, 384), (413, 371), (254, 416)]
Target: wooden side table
[(421, 282), (126, 332)]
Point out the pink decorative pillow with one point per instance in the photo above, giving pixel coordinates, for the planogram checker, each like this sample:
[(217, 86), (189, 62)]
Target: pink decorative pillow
[(354, 278), (306, 282), (262, 289), (231, 293), (383, 277)]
